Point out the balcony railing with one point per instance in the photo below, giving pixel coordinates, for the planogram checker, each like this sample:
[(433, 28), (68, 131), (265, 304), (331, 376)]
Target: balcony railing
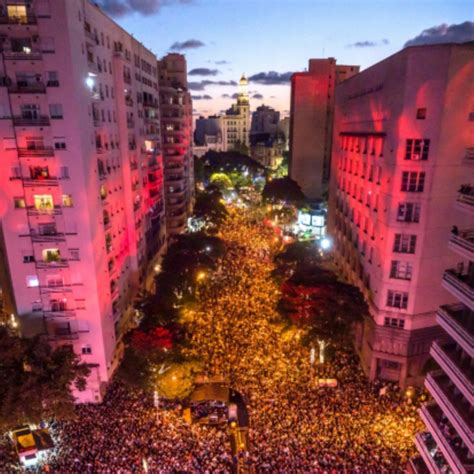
[(447, 439), (27, 88), (456, 408), (65, 313), (59, 263), (457, 368), (18, 20), (31, 121), (33, 211), (36, 182), (458, 321), (47, 238), (22, 55), (466, 197), (463, 242), (460, 284), (44, 151)]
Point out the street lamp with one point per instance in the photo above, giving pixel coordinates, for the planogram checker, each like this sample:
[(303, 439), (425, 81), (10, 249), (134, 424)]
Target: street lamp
[(325, 243), (200, 276)]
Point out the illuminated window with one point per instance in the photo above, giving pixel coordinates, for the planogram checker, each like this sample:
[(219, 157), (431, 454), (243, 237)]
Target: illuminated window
[(43, 201), (17, 13), (67, 200), (103, 192), (32, 281), (51, 255), (19, 203)]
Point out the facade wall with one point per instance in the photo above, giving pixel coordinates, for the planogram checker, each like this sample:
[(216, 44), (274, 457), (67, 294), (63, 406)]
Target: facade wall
[(80, 152), (390, 211), (311, 119), (176, 114)]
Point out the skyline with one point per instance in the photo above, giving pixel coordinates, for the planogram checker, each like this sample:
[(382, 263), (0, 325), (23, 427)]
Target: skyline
[(216, 62)]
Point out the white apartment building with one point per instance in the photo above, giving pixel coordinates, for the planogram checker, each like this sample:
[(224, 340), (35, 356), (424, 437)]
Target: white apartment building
[(81, 188), (403, 129)]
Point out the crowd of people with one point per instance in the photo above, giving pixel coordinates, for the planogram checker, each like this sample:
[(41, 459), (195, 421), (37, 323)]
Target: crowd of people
[(295, 426)]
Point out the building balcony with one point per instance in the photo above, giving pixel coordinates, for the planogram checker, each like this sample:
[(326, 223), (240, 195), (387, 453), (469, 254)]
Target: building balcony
[(22, 55), (463, 243), (33, 152), (59, 263), (174, 179), (48, 211), (150, 103), (453, 404), (458, 321), (27, 88), (37, 182), (42, 121), (47, 238), (455, 366), (18, 20), (176, 193), (64, 314), (465, 199), (416, 465), (431, 454), (449, 443), (460, 285)]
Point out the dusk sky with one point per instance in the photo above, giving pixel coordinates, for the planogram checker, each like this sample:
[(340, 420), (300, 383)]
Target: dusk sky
[(224, 38)]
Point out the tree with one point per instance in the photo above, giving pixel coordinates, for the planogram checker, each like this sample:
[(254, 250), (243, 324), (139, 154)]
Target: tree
[(177, 381), (36, 380), (222, 181), (283, 190), (209, 207)]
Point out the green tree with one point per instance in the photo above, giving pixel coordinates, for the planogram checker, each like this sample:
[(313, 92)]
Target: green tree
[(210, 208), (222, 181), (36, 380), (283, 190), (178, 380)]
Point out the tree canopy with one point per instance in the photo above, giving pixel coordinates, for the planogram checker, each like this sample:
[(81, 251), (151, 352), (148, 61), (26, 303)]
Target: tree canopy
[(209, 207), (36, 380), (283, 190)]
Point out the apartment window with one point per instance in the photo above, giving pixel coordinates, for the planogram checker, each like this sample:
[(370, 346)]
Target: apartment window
[(28, 258), (32, 281), (417, 149), (408, 212), (64, 172), (19, 203), (67, 200), (394, 322), (401, 270), (47, 44), (404, 243), (397, 299), (30, 111), (54, 280), (56, 111), (53, 79), (43, 201), (86, 350), (421, 114), (413, 181), (17, 13), (51, 255), (73, 254)]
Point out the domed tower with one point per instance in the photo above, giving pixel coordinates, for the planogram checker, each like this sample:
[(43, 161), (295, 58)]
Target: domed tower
[(243, 95), (243, 106)]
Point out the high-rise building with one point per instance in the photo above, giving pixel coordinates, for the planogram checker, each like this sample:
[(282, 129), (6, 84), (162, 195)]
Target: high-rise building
[(236, 121), (81, 184), (402, 130), (176, 115), (311, 123), (207, 135), (448, 443), (265, 119)]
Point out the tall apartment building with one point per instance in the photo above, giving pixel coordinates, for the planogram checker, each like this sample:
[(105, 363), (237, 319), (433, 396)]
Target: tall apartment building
[(311, 123), (265, 119), (81, 183), (176, 115), (236, 121), (448, 443), (402, 130)]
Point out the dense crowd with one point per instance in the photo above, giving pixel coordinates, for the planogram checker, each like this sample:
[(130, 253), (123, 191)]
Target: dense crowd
[(294, 425)]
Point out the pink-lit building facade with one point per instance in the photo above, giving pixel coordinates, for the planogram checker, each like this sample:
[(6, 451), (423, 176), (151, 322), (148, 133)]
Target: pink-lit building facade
[(311, 123), (82, 204), (177, 130), (403, 132)]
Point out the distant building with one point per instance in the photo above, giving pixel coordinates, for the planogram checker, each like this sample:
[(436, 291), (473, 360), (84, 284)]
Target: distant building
[(236, 121), (402, 149), (264, 120), (208, 135), (268, 151), (176, 116), (284, 130), (311, 120)]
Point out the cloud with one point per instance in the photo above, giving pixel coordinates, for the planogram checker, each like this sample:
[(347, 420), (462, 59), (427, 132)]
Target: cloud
[(271, 78), (143, 7), (188, 44), (234, 96), (201, 97), (222, 62), (203, 71), (368, 44), (225, 96), (456, 33), (257, 96), (201, 85)]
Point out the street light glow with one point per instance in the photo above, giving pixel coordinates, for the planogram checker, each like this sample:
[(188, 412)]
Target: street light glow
[(326, 243)]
